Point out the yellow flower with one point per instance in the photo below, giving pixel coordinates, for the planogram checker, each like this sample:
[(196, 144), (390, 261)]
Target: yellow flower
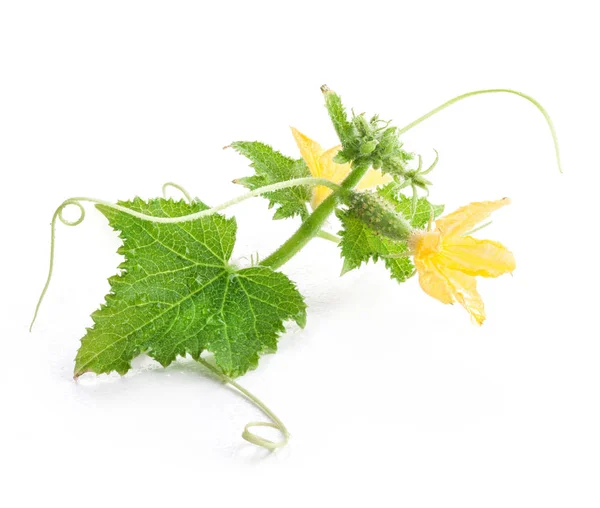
[(321, 165), (448, 261)]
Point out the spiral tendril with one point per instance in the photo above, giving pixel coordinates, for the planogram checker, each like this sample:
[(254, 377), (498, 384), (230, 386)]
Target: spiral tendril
[(58, 215), (247, 434)]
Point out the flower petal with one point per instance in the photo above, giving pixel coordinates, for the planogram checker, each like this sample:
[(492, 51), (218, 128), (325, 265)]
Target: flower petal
[(310, 150), (464, 289), (477, 257), (330, 170), (448, 286), (467, 217), (432, 281), (373, 178), (319, 193)]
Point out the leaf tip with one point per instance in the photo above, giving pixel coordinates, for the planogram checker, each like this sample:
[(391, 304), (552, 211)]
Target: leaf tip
[(347, 266), (301, 319)]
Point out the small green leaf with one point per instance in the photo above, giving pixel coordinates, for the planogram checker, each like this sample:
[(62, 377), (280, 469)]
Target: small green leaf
[(178, 294), (424, 211), (339, 118), (272, 167), (359, 244)]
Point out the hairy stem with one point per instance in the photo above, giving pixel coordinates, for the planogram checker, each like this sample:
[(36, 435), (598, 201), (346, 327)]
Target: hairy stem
[(492, 90), (312, 226), (275, 422)]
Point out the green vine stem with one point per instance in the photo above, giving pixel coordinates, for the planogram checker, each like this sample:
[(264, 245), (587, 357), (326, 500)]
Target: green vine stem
[(487, 91), (76, 201), (312, 226), (248, 435)]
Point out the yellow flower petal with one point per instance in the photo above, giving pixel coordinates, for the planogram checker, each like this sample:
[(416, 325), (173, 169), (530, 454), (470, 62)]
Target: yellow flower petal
[(449, 286), (319, 194), (464, 290), (432, 281), (373, 178), (310, 150), (467, 217), (477, 257), (423, 244), (331, 171), (448, 262)]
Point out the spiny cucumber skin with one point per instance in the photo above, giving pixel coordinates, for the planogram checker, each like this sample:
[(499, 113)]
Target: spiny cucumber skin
[(378, 214)]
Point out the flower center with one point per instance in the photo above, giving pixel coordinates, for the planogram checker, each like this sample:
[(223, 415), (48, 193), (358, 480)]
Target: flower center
[(424, 243)]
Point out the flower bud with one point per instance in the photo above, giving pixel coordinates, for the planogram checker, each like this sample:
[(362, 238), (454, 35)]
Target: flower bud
[(368, 147)]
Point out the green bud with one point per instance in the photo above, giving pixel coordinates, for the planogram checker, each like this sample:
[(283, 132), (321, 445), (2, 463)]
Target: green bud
[(368, 147), (378, 214), (362, 125), (367, 140), (415, 178)]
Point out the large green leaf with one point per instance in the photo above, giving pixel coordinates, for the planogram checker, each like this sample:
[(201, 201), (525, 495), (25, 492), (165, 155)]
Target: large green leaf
[(178, 294)]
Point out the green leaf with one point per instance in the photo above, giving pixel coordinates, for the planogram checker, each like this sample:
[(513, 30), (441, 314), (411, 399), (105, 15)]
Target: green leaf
[(403, 204), (339, 118), (360, 243), (178, 294), (272, 167)]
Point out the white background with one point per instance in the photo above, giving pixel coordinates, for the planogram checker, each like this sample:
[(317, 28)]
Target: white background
[(392, 398)]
